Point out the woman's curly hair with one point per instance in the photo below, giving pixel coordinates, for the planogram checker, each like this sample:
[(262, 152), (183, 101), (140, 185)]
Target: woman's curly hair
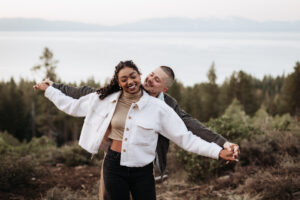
[(113, 86)]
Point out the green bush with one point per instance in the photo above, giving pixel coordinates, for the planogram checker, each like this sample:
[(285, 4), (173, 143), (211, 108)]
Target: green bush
[(199, 168), (234, 124), (9, 139), (68, 194), (39, 149), (19, 162), (231, 129), (282, 123), (269, 149), (262, 120), (18, 171), (71, 155), (7, 143), (236, 112), (272, 170), (4, 147), (45, 152), (74, 155), (260, 151), (39, 145), (273, 185)]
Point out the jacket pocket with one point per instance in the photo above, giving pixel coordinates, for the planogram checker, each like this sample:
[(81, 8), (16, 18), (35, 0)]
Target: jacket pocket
[(145, 133), (96, 118)]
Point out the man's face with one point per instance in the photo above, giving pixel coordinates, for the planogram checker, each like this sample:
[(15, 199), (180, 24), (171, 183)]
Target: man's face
[(155, 82)]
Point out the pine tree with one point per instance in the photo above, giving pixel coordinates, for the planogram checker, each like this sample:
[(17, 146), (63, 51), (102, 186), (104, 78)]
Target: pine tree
[(210, 95), (47, 65), (242, 87), (175, 91), (46, 111), (14, 117), (290, 95), (211, 74)]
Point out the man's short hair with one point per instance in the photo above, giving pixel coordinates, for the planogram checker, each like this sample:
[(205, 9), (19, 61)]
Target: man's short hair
[(170, 73)]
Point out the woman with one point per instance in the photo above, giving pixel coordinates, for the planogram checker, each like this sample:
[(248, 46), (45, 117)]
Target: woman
[(129, 120)]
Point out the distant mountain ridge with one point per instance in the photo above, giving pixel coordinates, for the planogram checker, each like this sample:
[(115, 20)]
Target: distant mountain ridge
[(156, 24)]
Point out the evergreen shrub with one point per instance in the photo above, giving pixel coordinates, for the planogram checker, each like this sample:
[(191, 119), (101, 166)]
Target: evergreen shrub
[(57, 193), (200, 168), (74, 155), (18, 171), (20, 162), (270, 148)]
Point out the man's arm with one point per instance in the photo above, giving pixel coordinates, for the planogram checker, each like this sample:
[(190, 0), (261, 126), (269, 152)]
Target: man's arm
[(74, 92), (194, 125)]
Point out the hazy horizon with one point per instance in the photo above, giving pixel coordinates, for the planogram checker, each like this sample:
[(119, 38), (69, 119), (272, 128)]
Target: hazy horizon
[(228, 18), (154, 24), (116, 12)]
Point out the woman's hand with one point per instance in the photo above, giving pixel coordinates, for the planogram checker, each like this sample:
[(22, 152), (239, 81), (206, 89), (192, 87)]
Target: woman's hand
[(227, 155), (233, 148), (41, 86)]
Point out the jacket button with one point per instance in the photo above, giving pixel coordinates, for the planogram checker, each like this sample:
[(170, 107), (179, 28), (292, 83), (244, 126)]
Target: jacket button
[(124, 150), (127, 129), (125, 139), (114, 101), (129, 117)]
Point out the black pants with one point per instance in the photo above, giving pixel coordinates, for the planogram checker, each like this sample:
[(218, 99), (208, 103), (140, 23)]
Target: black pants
[(120, 180)]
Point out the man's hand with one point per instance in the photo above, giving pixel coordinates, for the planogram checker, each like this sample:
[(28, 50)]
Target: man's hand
[(41, 86), (226, 155), (234, 148), (48, 81)]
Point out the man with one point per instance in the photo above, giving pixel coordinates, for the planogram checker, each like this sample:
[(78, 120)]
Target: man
[(156, 84)]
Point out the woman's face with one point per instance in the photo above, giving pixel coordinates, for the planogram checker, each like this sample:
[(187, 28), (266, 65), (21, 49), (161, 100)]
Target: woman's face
[(129, 80)]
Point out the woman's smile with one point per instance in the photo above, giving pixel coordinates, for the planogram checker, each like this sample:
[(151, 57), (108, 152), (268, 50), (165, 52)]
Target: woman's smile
[(129, 80), (132, 87)]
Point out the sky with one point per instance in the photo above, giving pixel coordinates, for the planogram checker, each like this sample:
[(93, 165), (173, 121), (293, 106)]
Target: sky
[(113, 12)]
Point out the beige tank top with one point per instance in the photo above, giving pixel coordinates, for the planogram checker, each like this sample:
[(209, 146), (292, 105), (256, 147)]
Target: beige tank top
[(119, 118)]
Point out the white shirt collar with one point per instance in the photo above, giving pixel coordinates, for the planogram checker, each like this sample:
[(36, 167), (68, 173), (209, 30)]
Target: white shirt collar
[(161, 96), (142, 102)]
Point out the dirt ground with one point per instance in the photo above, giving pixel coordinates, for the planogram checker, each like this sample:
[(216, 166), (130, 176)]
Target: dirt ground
[(85, 178), (75, 178)]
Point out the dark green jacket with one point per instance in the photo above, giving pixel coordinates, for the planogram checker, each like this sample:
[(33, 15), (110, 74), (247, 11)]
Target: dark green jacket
[(191, 123)]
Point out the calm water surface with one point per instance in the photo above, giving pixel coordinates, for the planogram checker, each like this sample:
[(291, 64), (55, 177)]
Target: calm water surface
[(85, 54)]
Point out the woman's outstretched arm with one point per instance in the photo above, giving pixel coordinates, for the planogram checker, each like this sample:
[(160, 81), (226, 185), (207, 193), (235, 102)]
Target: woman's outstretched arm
[(74, 107), (173, 127)]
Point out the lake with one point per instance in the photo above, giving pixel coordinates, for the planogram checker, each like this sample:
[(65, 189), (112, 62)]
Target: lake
[(94, 54)]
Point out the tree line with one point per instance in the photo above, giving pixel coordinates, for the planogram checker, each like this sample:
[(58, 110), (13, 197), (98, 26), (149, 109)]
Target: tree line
[(25, 113), (277, 95)]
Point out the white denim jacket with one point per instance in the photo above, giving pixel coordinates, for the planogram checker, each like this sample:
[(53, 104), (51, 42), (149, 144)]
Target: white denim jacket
[(145, 119)]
